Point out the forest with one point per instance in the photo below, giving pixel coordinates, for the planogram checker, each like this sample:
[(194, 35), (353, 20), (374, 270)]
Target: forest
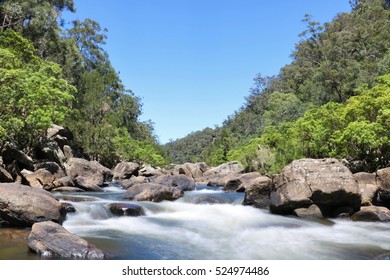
[(332, 100)]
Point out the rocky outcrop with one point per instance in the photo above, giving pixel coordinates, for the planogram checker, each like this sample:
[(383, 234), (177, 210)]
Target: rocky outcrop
[(125, 170), (372, 214), (52, 241), (12, 154), (152, 192), (88, 175), (325, 182), (22, 206), (126, 209)]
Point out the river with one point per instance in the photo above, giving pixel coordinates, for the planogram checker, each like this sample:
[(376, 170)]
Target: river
[(209, 223)]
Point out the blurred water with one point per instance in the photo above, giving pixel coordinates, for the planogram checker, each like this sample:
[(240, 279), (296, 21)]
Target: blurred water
[(211, 224)]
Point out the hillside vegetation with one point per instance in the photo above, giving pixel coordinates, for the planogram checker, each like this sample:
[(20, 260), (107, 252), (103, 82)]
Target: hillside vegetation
[(332, 100)]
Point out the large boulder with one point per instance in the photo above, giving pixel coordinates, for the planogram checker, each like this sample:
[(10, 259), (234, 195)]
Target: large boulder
[(191, 170), (325, 182), (181, 181), (368, 187), (257, 192), (152, 192), (88, 175), (22, 206), (125, 170), (52, 241), (372, 214)]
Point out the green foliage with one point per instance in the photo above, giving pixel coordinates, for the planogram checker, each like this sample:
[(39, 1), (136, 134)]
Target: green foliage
[(34, 95)]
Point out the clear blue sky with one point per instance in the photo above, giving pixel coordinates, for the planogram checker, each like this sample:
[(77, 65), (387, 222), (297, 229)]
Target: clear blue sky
[(192, 62)]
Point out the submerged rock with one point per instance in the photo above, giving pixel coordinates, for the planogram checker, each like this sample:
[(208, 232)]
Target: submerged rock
[(126, 209), (51, 240)]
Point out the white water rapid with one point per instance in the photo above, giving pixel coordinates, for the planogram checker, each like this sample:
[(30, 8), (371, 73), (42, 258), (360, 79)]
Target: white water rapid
[(210, 224)]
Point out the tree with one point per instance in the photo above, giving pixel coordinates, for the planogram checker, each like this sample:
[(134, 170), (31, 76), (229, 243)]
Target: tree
[(33, 93)]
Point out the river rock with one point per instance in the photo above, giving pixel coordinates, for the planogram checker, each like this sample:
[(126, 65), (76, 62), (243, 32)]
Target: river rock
[(125, 170), (126, 209), (51, 240), (5, 176), (22, 206), (368, 187), (181, 181), (152, 192), (312, 212), (325, 182), (225, 168), (257, 192), (383, 176), (372, 214), (45, 176), (128, 183), (88, 175), (150, 171), (191, 170)]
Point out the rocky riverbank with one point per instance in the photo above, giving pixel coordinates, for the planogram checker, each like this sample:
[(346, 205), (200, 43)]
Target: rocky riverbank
[(307, 188)]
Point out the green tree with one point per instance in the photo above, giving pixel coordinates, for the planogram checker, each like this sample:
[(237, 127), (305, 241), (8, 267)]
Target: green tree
[(33, 93)]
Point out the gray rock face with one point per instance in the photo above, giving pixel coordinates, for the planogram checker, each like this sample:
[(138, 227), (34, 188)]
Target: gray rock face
[(22, 206), (88, 175), (51, 240), (11, 154), (372, 214), (324, 182), (124, 170), (152, 192)]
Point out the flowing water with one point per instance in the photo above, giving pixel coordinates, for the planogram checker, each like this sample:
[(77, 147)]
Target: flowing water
[(210, 224)]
